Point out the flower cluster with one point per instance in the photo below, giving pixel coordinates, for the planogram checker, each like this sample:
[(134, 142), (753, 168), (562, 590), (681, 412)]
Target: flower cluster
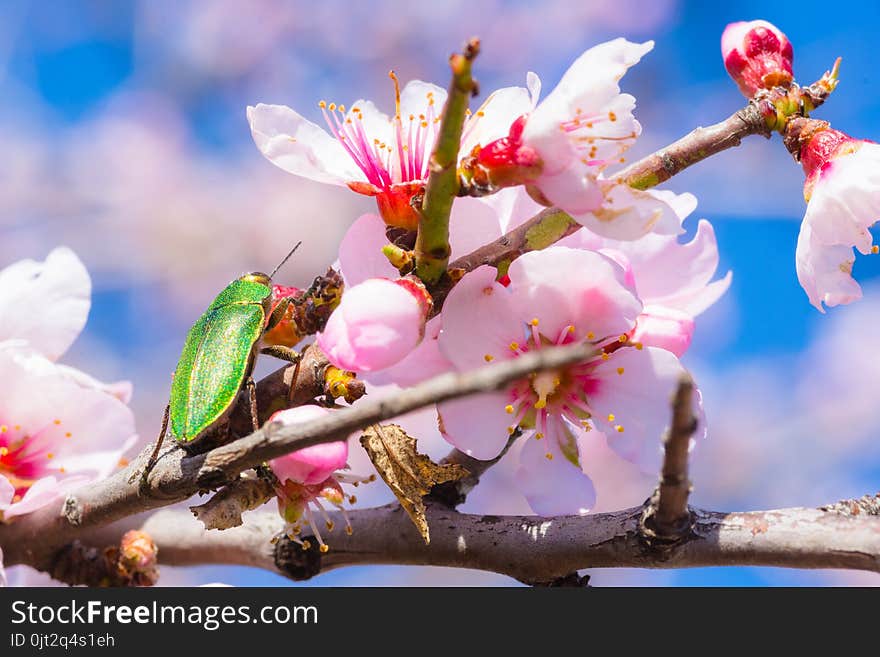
[(59, 427), (623, 283)]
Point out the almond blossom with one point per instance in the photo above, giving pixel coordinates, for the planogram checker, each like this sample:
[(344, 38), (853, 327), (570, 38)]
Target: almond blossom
[(59, 427), (562, 147), (556, 296), (843, 202), (372, 153), (309, 475)]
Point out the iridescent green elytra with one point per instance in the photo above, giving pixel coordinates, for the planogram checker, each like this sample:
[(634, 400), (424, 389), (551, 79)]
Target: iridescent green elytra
[(217, 360), (218, 357)]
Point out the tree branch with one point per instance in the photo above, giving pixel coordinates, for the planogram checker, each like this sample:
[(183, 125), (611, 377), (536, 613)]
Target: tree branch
[(34, 538), (531, 549), (695, 147)]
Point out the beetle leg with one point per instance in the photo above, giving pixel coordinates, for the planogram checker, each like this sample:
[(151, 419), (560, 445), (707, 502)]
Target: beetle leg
[(252, 396), (284, 353), (278, 314), (155, 455)]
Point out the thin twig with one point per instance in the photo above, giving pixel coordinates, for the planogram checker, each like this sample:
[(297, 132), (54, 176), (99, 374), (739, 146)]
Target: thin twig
[(667, 517), (432, 243)]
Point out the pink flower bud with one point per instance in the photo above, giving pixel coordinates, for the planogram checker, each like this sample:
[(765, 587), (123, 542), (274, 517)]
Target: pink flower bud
[(665, 328), (378, 322), (757, 55), (311, 465)]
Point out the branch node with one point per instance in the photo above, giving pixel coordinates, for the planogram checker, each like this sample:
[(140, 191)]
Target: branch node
[(295, 562)]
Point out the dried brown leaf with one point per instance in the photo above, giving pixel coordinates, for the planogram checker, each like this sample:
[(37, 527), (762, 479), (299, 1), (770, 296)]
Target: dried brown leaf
[(224, 510), (409, 475)]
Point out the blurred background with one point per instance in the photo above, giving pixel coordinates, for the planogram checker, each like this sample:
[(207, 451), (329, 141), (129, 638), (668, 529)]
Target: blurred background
[(123, 136)]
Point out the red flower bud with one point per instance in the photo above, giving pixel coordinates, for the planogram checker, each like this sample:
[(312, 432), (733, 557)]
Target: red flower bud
[(757, 55)]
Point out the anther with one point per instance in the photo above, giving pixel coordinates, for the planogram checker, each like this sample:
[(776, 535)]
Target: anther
[(508, 408), (611, 417), (619, 428), (534, 321), (620, 370), (488, 358)]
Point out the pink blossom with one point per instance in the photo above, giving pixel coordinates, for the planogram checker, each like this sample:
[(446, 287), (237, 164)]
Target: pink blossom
[(673, 279), (310, 475), (757, 55), (377, 323), (843, 202), (372, 153), (59, 427), (557, 296)]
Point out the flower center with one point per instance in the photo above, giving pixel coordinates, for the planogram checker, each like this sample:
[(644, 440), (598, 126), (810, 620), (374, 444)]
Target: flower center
[(24, 456), (549, 401), (394, 158)]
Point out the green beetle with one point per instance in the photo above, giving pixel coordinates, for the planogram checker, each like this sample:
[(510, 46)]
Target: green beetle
[(218, 358)]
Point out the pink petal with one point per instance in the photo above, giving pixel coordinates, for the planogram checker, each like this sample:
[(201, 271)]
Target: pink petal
[(7, 492), (665, 328), (45, 303), (560, 286), (360, 253), (478, 321), (473, 223), (311, 465), (300, 147), (477, 425), (572, 189), (638, 400), (553, 487), (423, 362), (85, 429), (375, 326)]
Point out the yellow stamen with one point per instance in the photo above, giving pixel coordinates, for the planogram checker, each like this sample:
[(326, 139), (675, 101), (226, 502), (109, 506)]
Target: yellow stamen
[(549, 456), (875, 249), (3, 428), (605, 356), (508, 408), (611, 417), (619, 428), (539, 435), (591, 336), (488, 358), (639, 346), (322, 104), (514, 346), (56, 421), (534, 321), (4, 451), (622, 339), (50, 456), (620, 370)]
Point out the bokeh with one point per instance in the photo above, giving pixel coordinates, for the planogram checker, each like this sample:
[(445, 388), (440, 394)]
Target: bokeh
[(123, 135)]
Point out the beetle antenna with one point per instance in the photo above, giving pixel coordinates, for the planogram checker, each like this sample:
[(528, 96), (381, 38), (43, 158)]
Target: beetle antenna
[(286, 258)]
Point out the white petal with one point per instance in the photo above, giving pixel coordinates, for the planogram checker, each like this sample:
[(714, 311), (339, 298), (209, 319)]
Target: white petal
[(628, 214), (417, 96), (45, 303), (494, 117), (825, 271), (300, 147)]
